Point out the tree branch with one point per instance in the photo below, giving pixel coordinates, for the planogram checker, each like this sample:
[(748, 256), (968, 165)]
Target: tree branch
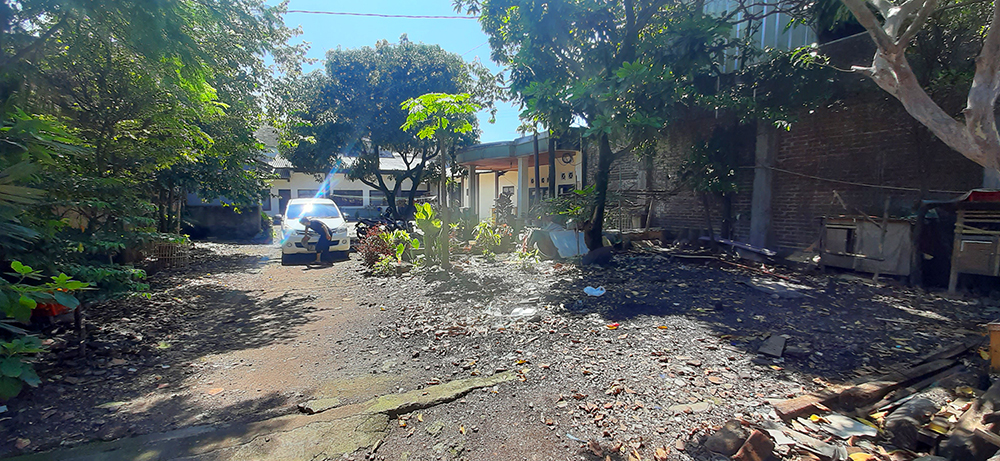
[(979, 112), (868, 20), (918, 23)]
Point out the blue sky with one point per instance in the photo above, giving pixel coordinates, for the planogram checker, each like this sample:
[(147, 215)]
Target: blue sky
[(461, 36)]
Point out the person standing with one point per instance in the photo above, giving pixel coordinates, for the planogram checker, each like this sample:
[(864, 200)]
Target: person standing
[(325, 238)]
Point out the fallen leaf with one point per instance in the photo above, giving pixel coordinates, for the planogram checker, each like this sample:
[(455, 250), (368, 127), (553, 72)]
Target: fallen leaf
[(861, 457), (660, 454), (715, 380), (215, 390), (662, 327), (461, 430), (402, 423), (21, 444), (420, 417), (679, 445)]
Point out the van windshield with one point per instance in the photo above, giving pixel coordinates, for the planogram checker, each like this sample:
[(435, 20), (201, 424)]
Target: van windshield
[(312, 210)]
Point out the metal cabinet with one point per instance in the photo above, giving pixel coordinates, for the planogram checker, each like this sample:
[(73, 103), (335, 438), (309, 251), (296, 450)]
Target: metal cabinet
[(976, 249)]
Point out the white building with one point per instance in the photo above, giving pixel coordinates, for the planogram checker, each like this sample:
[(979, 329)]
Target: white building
[(509, 166), (354, 198)]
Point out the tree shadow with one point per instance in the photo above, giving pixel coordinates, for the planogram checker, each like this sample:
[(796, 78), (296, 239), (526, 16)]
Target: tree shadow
[(835, 324), (138, 343)]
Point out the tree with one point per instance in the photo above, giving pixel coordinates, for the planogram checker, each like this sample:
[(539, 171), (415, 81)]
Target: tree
[(356, 110), (624, 68), (442, 118), (893, 27)]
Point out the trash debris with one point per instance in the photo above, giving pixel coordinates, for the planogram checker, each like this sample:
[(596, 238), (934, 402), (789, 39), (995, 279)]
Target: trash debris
[(591, 291)]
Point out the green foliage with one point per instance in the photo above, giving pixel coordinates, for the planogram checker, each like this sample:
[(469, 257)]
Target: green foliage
[(355, 111), (17, 299), (492, 238), (526, 259), (430, 226), (374, 246), (16, 368), (401, 243), (384, 267)]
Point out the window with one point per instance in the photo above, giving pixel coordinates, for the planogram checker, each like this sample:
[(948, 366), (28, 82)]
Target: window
[(346, 198), (377, 198), (284, 173), (307, 193)]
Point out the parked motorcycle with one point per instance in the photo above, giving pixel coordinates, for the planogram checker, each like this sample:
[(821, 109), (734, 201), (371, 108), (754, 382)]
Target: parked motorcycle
[(385, 221)]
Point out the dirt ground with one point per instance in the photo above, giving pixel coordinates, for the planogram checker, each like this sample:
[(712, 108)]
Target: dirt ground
[(666, 355)]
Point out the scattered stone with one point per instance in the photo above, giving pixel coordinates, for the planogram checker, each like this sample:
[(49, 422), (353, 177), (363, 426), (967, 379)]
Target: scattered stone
[(315, 406), (435, 428), (728, 440), (757, 448), (774, 346)]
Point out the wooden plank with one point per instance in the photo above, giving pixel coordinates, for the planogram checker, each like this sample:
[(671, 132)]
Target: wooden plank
[(870, 392)]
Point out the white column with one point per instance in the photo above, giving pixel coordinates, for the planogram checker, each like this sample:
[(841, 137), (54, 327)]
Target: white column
[(522, 186), (473, 197)]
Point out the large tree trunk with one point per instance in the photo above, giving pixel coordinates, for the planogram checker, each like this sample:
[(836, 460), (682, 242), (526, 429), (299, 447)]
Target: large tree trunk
[(977, 139), (605, 157)]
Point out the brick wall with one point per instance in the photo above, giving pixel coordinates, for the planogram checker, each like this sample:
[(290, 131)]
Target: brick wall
[(872, 142), (875, 143)]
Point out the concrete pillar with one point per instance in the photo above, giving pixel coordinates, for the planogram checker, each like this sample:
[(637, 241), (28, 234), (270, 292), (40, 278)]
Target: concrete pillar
[(763, 179), (522, 186), (473, 181)]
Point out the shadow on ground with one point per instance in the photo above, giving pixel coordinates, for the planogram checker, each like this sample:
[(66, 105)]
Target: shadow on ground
[(835, 324), (138, 353)]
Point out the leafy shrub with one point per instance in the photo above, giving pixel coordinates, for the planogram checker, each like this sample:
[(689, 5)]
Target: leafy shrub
[(374, 247), (492, 239), (401, 243), (17, 300), (431, 227)]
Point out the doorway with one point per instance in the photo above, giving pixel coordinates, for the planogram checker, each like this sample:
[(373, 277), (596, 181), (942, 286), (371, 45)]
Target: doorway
[(284, 195)]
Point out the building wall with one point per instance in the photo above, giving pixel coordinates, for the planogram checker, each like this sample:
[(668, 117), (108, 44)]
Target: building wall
[(307, 185), (838, 148), (874, 143)]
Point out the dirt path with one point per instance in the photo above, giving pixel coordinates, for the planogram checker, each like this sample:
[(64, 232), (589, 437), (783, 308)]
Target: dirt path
[(234, 338)]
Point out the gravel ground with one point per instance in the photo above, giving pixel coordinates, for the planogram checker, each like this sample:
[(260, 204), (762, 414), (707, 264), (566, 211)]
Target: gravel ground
[(664, 357)]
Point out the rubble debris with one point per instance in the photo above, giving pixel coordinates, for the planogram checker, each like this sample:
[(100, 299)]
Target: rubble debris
[(905, 422), (872, 391), (962, 443), (773, 346), (758, 447), (843, 427), (727, 440)]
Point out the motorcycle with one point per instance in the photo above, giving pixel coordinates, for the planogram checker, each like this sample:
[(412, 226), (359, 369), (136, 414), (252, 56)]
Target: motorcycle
[(385, 221)]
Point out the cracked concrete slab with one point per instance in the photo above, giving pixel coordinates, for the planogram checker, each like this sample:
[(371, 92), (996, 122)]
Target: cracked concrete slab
[(328, 434)]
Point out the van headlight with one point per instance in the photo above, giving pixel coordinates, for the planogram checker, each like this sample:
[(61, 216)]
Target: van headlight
[(340, 230)]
